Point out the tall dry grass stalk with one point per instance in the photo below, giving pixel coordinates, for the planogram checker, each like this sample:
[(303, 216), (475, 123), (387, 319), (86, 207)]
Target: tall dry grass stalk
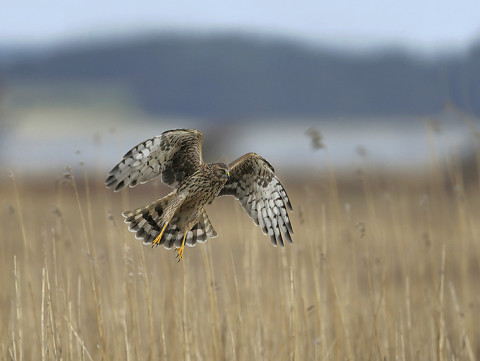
[(382, 268)]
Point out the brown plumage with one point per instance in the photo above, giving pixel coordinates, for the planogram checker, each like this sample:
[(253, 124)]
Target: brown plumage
[(180, 217)]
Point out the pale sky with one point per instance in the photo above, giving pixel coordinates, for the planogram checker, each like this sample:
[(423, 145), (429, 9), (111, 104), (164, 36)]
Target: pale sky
[(418, 24)]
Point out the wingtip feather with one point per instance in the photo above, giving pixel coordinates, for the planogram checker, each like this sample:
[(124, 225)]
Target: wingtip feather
[(273, 240), (280, 239), (119, 186)]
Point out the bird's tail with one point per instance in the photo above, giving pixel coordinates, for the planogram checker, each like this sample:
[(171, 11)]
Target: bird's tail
[(149, 221)]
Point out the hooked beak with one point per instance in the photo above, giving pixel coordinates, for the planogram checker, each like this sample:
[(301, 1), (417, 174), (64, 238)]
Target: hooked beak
[(228, 174)]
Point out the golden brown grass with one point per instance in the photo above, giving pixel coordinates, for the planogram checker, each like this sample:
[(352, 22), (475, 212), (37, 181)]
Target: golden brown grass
[(381, 269)]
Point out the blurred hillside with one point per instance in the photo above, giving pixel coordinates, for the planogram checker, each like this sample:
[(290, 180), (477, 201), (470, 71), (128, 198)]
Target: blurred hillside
[(91, 102), (239, 76)]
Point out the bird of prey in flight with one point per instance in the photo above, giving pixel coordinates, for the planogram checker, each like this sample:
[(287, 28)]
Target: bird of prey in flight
[(180, 218)]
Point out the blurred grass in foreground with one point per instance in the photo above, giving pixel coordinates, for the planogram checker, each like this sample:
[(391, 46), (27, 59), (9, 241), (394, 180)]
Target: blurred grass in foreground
[(381, 268)]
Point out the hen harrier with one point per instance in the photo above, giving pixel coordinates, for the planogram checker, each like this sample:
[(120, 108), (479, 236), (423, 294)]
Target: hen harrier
[(180, 217)]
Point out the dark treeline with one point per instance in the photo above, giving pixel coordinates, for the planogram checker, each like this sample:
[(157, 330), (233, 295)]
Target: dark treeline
[(222, 76)]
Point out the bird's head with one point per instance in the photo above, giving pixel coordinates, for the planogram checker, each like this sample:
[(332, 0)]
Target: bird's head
[(221, 171)]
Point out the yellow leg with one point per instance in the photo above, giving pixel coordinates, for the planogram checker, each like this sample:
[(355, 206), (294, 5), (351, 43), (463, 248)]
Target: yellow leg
[(181, 248), (156, 242)]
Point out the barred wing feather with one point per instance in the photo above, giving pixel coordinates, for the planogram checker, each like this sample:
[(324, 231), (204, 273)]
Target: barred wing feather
[(253, 183), (174, 155)]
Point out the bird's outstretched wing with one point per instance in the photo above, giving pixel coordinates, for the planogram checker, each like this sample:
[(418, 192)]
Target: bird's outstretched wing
[(253, 182), (174, 154)]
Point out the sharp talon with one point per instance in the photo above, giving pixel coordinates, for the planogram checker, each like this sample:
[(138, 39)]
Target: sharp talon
[(181, 249), (180, 252)]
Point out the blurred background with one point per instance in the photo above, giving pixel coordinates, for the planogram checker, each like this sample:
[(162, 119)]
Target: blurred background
[(303, 83), (368, 110)]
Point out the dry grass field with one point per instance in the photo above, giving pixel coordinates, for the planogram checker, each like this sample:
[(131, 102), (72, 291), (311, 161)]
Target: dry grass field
[(382, 268)]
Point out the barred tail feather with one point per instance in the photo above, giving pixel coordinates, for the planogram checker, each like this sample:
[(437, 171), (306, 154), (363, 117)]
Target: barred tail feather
[(147, 223), (200, 232), (211, 232)]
